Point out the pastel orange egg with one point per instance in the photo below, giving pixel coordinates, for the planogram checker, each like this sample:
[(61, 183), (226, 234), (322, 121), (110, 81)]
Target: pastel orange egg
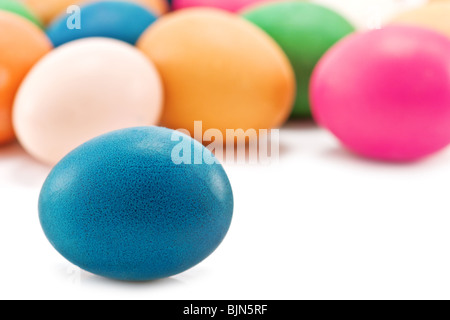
[(22, 44), (432, 16), (219, 69), (48, 10)]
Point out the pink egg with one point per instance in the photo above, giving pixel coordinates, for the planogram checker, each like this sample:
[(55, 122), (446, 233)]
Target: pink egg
[(81, 90), (229, 5), (385, 94)]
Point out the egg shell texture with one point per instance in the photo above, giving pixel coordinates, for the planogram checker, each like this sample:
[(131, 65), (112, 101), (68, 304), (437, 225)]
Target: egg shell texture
[(119, 207)]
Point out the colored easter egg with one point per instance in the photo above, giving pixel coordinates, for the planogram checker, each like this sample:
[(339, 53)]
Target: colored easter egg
[(159, 7), (434, 16), (305, 32), (219, 69), (20, 9), (385, 93), (229, 5), (120, 207), (22, 44), (370, 14), (81, 90), (48, 10), (119, 20)]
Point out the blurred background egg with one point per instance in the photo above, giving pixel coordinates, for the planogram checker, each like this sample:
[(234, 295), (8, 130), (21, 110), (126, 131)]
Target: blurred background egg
[(219, 69), (119, 20), (370, 14), (17, 7), (305, 31), (229, 5), (83, 89), (119, 207), (385, 93), (49, 10), (435, 15), (22, 44)]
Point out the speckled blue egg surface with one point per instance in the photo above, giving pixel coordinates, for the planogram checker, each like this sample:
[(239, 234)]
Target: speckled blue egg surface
[(119, 206), (120, 20)]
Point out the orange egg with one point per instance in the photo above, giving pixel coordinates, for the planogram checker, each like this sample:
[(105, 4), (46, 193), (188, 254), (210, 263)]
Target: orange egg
[(48, 10), (219, 69), (22, 44)]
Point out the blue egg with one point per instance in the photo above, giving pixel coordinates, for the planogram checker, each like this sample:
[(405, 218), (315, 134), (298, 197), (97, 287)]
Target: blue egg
[(124, 205), (119, 20)]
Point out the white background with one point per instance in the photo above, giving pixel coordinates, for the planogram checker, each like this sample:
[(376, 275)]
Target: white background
[(319, 224)]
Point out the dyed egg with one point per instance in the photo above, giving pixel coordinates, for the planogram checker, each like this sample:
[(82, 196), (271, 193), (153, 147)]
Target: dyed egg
[(124, 21), (229, 5), (20, 9), (385, 93), (120, 207), (81, 90), (48, 10), (22, 44), (305, 32), (434, 16), (370, 14), (219, 69)]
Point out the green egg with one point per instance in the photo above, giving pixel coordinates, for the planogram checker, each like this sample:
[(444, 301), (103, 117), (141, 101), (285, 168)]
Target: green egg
[(305, 31), (16, 7)]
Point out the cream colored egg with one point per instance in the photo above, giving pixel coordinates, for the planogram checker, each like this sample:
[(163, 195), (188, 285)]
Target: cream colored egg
[(81, 90), (433, 16)]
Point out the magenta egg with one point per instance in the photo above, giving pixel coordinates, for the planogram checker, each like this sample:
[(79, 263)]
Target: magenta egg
[(385, 94), (228, 5)]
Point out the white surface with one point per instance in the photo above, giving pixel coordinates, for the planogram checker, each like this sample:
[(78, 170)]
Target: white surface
[(319, 224)]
